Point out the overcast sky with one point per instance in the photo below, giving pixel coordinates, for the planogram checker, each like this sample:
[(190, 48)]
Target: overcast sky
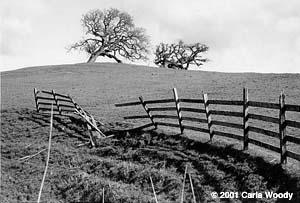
[(243, 35)]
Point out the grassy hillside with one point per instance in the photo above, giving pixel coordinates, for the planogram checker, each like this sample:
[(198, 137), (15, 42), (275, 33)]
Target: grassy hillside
[(100, 86), (122, 165)]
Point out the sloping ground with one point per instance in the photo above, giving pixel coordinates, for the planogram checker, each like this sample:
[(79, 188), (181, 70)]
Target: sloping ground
[(98, 87), (123, 165)]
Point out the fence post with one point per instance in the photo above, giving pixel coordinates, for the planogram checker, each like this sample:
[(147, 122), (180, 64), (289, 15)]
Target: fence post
[(246, 118), (208, 116), (56, 102), (282, 128), (178, 109), (90, 129), (35, 92), (98, 134), (147, 111)]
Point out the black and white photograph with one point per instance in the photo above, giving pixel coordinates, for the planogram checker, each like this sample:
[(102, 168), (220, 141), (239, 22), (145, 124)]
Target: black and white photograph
[(149, 101)]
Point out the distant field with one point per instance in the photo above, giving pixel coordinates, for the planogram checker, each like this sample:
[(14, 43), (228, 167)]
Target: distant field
[(97, 88)]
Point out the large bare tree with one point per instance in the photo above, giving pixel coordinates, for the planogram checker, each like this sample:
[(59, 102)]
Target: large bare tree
[(112, 33), (180, 55)]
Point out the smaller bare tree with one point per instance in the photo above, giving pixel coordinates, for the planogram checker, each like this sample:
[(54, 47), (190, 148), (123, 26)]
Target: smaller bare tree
[(180, 55), (112, 33)]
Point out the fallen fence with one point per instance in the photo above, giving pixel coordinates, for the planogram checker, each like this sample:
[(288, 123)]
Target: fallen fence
[(154, 113), (64, 105)]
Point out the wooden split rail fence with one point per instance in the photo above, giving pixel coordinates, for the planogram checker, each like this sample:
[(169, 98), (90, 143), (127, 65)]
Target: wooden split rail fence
[(64, 105), (245, 115)]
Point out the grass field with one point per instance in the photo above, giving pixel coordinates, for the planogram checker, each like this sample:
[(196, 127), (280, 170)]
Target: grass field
[(123, 165)]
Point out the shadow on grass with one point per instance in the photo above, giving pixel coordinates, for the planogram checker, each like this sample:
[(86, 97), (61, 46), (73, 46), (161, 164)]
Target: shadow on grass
[(218, 164), (213, 167), (72, 126)]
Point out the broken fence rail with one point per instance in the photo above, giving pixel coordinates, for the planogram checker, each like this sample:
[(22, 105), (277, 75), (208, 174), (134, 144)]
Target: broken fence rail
[(63, 105)]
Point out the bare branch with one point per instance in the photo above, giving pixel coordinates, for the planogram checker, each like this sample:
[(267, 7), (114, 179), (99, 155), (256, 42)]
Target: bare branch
[(112, 33)]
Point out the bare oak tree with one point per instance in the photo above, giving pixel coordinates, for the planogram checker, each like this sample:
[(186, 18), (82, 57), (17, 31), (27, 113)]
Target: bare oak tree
[(180, 55), (112, 33)]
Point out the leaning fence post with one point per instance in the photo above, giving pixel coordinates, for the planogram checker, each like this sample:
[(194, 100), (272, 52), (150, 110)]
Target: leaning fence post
[(147, 111), (208, 116), (56, 102), (35, 92), (246, 118), (282, 128), (90, 129), (178, 109)]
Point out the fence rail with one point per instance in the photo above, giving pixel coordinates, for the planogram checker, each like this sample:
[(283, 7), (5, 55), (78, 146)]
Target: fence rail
[(263, 118), (227, 113), (226, 102), (198, 120), (206, 111), (195, 101), (264, 105), (187, 109), (294, 124), (159, 101)]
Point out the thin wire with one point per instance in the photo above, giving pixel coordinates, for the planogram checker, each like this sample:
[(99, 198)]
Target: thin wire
[(48, 156)]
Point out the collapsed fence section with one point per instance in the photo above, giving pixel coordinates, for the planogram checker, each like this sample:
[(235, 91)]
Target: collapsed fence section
[(64, 105), (207, 116)]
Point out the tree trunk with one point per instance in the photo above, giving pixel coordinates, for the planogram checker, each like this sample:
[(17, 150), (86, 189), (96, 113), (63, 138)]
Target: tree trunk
[(187, 66), (165, 64), (92, 58), (113, 57)]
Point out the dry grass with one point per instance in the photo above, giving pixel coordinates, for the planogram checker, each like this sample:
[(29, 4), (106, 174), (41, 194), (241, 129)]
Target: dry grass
[(98, 87), (121, 166)]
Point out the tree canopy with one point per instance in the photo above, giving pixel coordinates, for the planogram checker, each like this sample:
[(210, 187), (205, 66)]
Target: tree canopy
[(112, 33), (180, 55)]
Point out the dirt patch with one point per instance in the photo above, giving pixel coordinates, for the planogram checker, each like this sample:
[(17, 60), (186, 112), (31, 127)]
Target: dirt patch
[(123, 165)]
